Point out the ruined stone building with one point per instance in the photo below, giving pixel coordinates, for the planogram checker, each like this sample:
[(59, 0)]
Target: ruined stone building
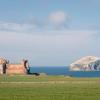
[(3, 63), (7, 68)]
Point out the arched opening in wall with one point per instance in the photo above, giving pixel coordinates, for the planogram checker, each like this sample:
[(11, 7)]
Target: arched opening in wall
[(4, 68)]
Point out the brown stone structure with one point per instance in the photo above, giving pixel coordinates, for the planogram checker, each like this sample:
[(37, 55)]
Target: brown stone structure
[(3, 63), (6, 68)]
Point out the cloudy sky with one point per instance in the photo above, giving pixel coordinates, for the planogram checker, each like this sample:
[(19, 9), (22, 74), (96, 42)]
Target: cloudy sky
[(49, 32)]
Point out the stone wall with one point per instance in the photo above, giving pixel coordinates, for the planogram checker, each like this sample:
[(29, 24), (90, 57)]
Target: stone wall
[(1, 68), (16, 69), (6, 68)]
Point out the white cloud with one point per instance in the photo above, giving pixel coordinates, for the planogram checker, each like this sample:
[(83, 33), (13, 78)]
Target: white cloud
[(49, 49), (72, 38), (16, 26), (58, 18)]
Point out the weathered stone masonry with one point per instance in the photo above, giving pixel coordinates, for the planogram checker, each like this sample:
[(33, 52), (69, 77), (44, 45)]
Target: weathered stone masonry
[(6, 68)]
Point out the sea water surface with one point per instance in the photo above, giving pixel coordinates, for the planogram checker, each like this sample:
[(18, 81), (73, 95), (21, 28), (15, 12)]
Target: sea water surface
[(63, 70)]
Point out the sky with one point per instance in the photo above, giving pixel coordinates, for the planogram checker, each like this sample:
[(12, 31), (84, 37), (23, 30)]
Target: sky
[(49, 32)]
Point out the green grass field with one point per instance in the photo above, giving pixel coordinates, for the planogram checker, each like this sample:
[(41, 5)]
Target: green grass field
[(28, 87)]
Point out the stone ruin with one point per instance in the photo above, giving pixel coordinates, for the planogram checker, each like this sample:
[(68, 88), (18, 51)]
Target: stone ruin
[(7, 68)]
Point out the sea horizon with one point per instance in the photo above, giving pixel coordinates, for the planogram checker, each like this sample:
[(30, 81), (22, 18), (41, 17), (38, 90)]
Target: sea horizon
[(62, 70)]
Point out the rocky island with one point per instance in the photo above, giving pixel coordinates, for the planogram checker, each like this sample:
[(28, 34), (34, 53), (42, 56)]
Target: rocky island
[(88, 63)]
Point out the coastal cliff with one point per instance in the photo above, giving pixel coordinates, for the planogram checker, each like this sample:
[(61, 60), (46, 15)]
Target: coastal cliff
[(88, 63)]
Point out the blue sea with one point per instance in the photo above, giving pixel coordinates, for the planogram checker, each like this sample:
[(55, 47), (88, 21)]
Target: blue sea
[(62, 70)]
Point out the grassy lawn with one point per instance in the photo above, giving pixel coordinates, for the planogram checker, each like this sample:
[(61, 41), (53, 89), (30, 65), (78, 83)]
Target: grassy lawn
[(48, 88)]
